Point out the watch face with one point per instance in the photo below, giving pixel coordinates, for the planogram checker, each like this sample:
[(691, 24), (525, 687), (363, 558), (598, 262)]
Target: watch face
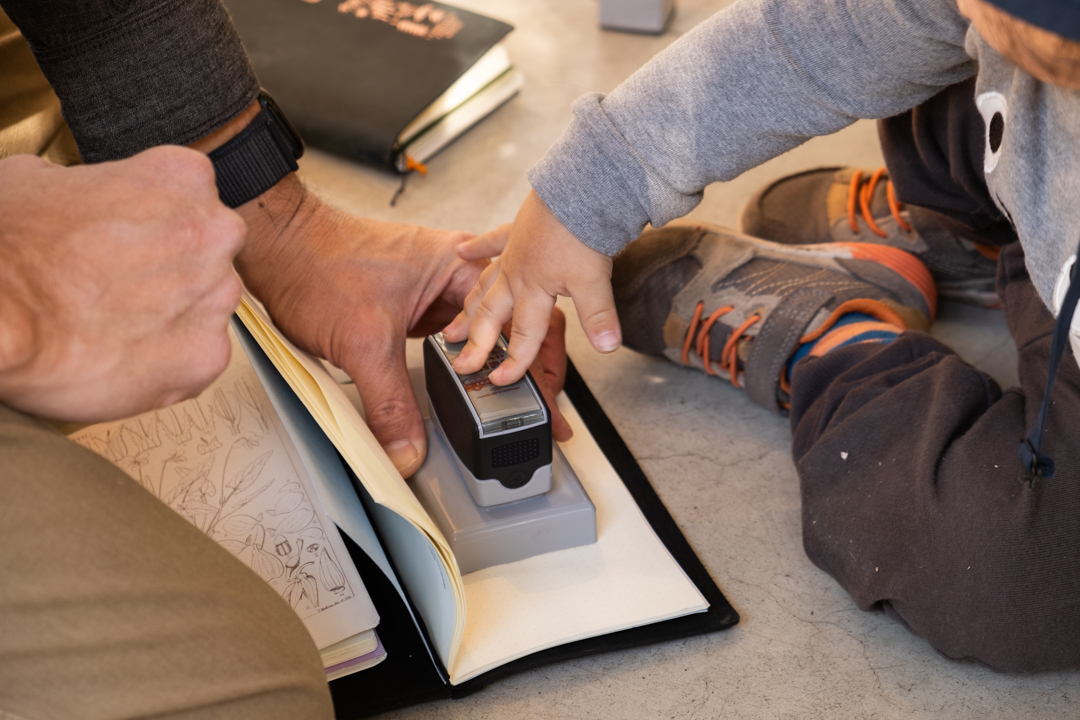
[(275, 111)]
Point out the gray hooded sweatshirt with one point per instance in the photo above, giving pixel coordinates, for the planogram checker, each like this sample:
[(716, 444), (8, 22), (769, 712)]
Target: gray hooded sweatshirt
[(763, 76)]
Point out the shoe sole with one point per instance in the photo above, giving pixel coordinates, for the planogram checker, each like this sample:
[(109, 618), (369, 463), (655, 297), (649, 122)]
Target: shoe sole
[(979, 292)]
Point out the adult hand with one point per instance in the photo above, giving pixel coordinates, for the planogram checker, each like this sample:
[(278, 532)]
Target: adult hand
[(352, 289), (549, 372), (116, 283), (541, 260)]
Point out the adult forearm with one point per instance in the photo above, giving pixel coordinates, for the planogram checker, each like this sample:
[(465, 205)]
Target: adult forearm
[(138, 74)]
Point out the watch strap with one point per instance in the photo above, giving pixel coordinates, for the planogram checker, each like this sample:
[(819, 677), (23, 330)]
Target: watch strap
[(258, 157)]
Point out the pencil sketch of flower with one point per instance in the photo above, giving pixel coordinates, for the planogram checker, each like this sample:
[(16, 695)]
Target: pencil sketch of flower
[(251, 550), (94, 443), (129, 440), (227, 408), (251, 400), (135, 466), (201, 420), (241, 524), (190, 496), (234, 488), (179, 422), (176, 457), (173, 423), (294, 522), (301, 584), (208, 445), (248, 440), (330, 574), (286, 504)]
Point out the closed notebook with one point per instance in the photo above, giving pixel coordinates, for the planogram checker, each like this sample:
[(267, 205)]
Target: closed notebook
[(377, 80)]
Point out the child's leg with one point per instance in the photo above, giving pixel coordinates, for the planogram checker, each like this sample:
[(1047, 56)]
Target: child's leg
[(934, 155), (908, 459)]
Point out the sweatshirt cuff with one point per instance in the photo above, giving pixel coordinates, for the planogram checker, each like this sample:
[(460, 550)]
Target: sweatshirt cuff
[(159, 73), (594, 182)]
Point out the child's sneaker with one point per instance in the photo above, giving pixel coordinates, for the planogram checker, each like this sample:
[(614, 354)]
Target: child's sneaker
[(739, 307), (849, 205)]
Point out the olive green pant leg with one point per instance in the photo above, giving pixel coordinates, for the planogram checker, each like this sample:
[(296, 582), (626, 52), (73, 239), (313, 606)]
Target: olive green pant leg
[(113, 606)]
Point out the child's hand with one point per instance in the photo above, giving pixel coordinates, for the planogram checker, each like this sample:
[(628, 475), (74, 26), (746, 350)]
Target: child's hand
[(541, 259)]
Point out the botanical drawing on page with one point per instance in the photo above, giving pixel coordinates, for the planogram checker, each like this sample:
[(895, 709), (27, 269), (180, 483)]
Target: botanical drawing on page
[(220, 461)]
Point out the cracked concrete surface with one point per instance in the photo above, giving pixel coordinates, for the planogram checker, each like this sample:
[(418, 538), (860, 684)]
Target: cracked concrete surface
[(720, 463)]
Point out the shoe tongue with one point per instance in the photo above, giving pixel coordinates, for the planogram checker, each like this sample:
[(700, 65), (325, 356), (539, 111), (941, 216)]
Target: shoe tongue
[(879, 201), (718, 338)]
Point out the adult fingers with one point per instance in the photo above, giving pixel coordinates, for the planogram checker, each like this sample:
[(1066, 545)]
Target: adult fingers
[(392, 413), (458, 330), (553, 351), (445, 312), (487, 245), (560, 428)]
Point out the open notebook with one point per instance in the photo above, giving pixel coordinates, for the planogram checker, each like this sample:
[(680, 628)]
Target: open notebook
[(506, 617), (225, 461)]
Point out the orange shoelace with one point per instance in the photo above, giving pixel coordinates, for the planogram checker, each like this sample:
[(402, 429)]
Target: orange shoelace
[(859, 198), (729, 357)]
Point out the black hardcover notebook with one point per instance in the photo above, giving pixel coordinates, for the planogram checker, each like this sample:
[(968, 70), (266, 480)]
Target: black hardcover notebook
[(408, 677), (352, 75)]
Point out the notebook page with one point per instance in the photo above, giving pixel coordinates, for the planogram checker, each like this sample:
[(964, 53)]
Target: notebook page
[(628, 578), (224, 462), (443, 603)]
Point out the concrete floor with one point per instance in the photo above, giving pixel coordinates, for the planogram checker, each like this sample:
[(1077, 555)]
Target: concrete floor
[(720, 463)]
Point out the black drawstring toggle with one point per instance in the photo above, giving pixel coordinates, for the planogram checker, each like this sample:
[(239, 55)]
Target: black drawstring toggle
[(1036, 466)]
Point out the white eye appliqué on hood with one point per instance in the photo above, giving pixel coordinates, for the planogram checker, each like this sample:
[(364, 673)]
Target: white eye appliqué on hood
[(1060, 288), (995, 113)]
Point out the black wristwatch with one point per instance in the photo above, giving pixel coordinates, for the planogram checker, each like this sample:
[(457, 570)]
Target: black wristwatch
[(264, 152)]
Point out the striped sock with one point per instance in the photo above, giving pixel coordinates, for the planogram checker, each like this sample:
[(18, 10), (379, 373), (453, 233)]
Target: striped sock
[(847, 329)]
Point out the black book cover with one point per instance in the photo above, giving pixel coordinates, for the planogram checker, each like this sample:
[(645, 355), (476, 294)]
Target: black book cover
[(351, 74), (407, 676)]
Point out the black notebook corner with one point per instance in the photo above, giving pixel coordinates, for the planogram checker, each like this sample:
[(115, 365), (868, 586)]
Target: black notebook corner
[(407, 676), (352, 74)]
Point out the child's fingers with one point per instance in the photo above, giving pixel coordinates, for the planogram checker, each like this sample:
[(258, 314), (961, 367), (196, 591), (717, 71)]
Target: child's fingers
[(596, 310), (487, 245), (532, 315), (494, 310), (458, 330)]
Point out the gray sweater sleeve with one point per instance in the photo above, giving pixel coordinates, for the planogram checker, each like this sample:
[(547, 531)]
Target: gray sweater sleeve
[(132, 74), (752, 82)]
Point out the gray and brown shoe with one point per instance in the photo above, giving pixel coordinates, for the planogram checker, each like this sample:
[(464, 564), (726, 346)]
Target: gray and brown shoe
[(738, 307), (829, 205)]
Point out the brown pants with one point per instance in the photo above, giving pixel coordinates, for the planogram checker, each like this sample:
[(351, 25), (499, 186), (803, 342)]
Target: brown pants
[(908, 460), (113, 606)]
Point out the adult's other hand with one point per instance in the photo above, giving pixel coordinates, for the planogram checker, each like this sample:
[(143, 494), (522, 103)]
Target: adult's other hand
[(116, 283), (351, 290)]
